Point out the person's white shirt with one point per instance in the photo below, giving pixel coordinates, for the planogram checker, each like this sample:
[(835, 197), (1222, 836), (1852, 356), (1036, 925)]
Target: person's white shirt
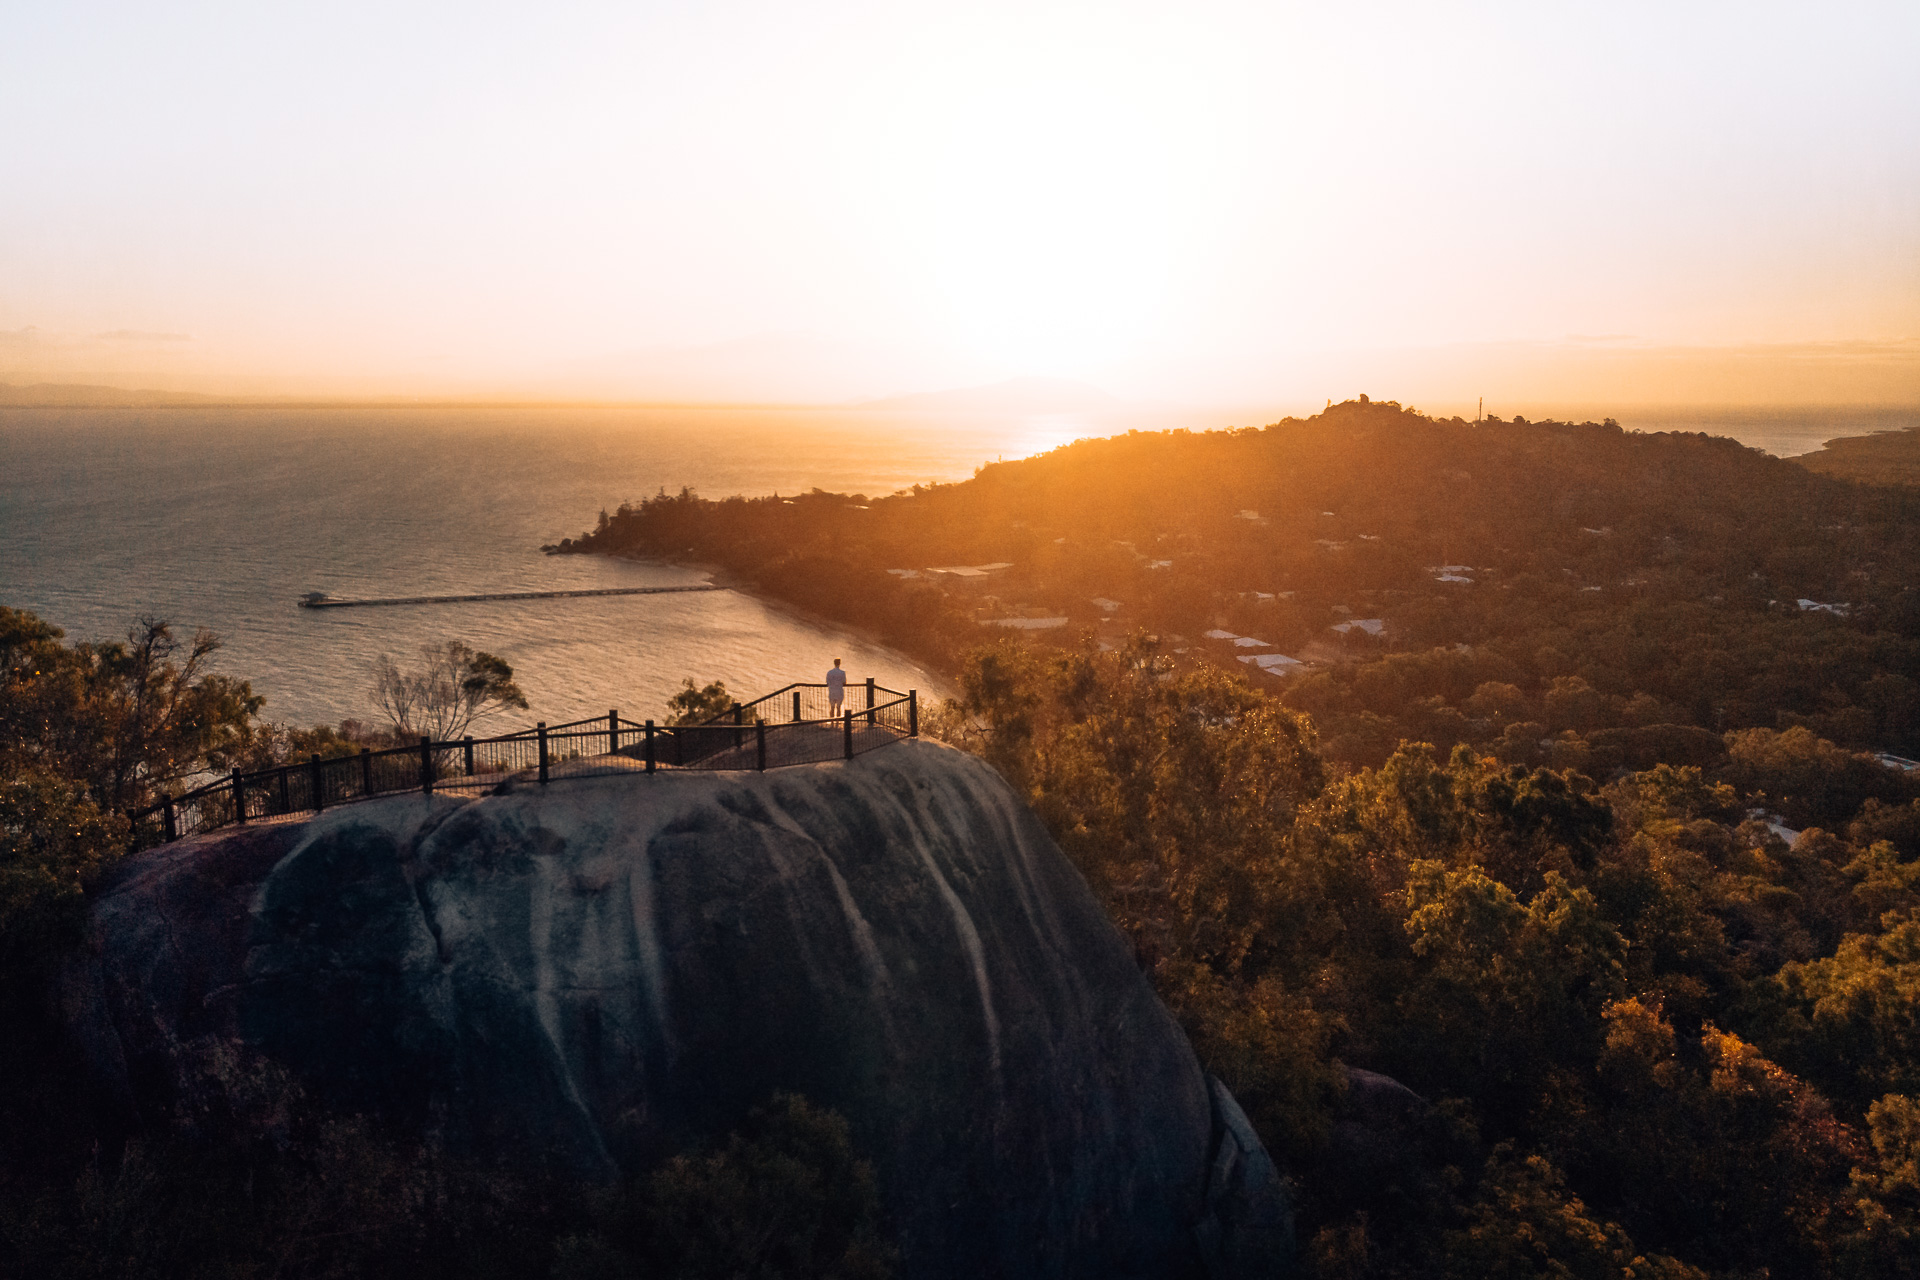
[(836, 684)]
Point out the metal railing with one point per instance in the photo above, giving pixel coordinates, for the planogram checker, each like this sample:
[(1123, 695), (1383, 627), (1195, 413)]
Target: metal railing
[(794, 725)]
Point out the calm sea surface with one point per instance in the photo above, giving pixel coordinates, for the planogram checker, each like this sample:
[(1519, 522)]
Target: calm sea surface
[(222, 517)]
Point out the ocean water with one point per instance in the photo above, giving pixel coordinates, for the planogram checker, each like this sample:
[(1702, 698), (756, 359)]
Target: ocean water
[(222, 517), (1784, 433)]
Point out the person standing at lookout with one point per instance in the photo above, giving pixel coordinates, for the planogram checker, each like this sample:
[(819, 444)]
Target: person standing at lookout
[(836, 689)]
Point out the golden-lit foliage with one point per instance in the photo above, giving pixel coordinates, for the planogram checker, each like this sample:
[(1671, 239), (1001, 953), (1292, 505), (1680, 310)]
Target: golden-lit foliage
[(1619, 998), (1631, 597), (1650, 1037)]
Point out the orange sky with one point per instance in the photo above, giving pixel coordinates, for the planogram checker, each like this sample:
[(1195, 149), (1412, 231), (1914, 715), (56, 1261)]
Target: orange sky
[(1199, 204)]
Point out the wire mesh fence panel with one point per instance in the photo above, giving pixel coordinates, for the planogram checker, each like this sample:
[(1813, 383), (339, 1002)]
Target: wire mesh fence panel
[(183, 815), (146, 829), (805, 742), (201, 809), (803, 703), (899, 715), (575, 744), (448, 768), (502, 756), (394, 770), (348, 778), (208, 810), (747, 754), (692, 743)]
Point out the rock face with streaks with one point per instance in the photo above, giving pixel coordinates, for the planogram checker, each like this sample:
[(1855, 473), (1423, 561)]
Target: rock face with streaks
[(601, 971)]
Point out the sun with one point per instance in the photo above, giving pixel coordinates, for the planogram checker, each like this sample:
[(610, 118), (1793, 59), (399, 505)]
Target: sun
[(1050, 199), (1043, 250)]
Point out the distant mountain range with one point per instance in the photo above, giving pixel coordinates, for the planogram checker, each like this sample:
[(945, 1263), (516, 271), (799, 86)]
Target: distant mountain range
[(71, 395)]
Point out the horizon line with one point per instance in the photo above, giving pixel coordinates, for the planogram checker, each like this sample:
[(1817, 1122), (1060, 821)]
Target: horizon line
[(157, 398)]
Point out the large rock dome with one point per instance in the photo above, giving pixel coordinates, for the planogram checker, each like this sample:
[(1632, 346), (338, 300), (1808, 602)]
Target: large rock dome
[(599, 971)]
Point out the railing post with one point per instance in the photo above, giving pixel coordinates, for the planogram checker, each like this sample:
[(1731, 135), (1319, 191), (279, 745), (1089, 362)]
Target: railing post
[(613, 732), (913, 713), (239, 798), (317, 780), (849, 735), (366, 772), (796, 706), (738, 719), (426, 764), (869, 699), (649, 746), (760, 745), (286, 800), (169, 825), (542, 728), (467, 747)]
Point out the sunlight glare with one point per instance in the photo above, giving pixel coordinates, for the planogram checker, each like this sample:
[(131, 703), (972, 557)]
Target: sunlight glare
[(1051, 196), (1045, 432)]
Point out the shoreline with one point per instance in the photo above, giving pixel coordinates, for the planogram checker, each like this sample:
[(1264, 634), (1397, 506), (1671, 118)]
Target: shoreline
[(943, 687), (1884, 458)]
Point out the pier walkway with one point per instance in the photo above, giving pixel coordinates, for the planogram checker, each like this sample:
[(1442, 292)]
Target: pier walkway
[(321, 600)]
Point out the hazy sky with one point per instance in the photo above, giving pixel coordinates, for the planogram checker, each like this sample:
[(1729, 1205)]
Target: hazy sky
[(1196, 202)]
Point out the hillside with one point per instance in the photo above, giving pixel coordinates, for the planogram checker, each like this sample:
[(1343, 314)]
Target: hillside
[(75, 395), (1887, 457), (1519, 582)]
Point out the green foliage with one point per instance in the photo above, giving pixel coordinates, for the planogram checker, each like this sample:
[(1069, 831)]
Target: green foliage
[(1526, 1223), (126, 720), (1517, 821), (1171, 792), (268, 1183), (1886, 457), (287, 1189), (1899, 825), (1560, 965), (1713, 1147), (1270, 1046), (1665, 794), (53, 841), (1855, 1015), (1507, 989), (271, 744), (1810, 780), (1884, 882), (453, 686), (87, 732), (814, 551), (786, 1199), (790, 1200), (696, 704), (1888, 1187)]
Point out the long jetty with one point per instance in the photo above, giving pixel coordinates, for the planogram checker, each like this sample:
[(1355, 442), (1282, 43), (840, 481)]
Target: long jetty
[(319, 600)]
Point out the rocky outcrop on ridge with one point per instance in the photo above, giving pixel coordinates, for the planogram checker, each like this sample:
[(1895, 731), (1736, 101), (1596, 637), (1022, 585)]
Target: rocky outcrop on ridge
[(602, 971)]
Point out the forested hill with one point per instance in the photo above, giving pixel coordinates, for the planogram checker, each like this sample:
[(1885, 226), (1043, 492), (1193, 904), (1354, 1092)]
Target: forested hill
[(1887, 457), (1678, 579)]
